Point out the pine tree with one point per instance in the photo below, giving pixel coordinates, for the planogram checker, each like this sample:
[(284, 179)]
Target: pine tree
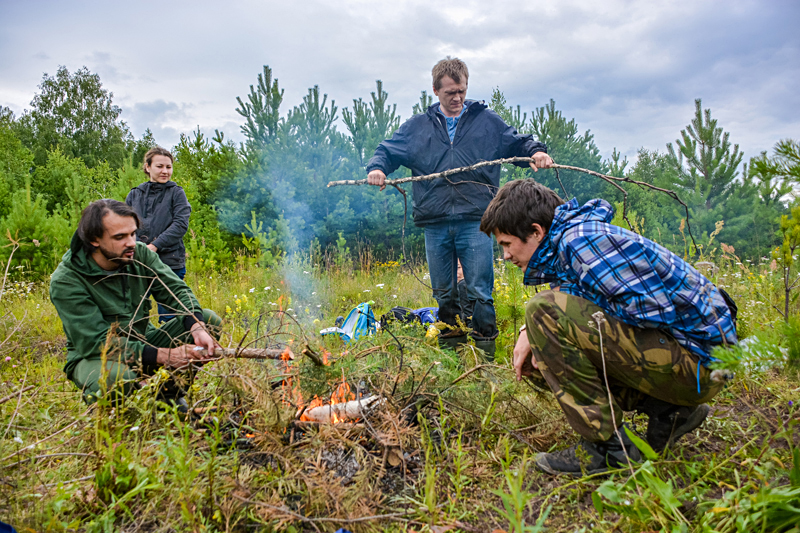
[(567, 147), (705, 161), (425, 101), (262, 110), (369, 124)]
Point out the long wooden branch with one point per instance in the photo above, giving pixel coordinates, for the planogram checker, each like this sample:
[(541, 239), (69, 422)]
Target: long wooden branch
[(251, 353), (613, 180)]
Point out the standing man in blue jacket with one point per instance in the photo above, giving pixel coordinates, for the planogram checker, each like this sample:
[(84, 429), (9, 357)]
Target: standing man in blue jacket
[(453, 133)]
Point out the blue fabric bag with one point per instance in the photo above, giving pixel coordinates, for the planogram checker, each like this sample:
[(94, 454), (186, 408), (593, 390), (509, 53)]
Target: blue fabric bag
[(360, 321), (426, 315)]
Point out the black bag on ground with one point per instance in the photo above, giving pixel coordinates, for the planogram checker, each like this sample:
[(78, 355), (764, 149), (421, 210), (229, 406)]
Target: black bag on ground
[(401, 314)]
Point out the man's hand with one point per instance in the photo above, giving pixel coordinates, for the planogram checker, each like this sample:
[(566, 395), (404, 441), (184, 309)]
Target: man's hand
[(377, 177), (180, 357), (152, 247), (524, 362), (203, 339), (541, 160)]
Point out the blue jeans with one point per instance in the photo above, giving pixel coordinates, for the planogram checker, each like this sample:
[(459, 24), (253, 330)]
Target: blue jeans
[(447, 243), (164, 313)]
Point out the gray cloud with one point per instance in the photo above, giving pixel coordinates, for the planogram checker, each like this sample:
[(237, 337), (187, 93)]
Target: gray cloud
[(627, 70)]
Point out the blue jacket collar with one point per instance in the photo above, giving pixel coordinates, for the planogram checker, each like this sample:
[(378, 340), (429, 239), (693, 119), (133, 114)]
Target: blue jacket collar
[(545, 266)]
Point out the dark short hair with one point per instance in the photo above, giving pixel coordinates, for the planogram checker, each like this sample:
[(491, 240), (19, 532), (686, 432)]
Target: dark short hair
[(518, 205), (452, 67), (91, 225)]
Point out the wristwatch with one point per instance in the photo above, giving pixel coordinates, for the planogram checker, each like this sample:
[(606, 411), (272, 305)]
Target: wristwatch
[(522, 328)]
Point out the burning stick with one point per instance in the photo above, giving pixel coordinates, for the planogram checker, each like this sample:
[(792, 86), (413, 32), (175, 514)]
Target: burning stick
[(352, 410), (250, 353)]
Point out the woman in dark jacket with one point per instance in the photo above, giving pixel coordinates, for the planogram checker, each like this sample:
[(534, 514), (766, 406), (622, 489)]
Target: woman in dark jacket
[(164, 210)]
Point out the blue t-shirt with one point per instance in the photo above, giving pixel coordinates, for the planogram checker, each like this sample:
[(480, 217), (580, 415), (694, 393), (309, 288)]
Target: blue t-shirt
[(452, 122)]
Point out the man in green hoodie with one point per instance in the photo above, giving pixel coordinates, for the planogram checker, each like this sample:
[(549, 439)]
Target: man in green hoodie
[(100, 291)]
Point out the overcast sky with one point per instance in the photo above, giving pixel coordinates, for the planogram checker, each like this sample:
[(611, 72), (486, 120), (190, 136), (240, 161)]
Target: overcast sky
[(628, 71)]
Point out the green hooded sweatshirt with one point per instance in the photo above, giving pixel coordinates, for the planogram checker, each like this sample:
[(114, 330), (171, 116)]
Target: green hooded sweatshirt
[(90, 301)]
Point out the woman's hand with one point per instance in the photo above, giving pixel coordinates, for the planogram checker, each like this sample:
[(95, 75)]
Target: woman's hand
[(152, 247)]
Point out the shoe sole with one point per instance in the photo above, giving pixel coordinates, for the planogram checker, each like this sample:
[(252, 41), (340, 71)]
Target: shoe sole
[(693, 422)]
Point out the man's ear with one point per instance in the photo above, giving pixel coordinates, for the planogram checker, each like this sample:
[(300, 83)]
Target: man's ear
[(538, 232), (435, 91)]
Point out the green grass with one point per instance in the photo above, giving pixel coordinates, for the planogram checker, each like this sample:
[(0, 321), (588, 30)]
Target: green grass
[(438, 454)]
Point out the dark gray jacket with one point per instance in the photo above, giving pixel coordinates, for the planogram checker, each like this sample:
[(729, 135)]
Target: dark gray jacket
[(165, 218), (423, 145)]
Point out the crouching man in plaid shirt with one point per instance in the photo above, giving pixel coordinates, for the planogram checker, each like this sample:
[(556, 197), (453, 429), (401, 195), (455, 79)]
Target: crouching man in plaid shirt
[(658, 316)]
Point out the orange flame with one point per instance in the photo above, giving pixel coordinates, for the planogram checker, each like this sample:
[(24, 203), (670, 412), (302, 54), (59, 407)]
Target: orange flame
[(342, 394)]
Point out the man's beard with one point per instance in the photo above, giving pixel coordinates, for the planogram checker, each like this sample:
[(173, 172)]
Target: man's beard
[(115, 258)]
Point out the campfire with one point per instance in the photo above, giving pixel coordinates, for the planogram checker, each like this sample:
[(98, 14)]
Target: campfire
[(343, 406)]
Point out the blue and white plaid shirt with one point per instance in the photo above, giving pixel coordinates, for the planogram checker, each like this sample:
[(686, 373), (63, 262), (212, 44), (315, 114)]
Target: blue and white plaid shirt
[(632, 278)]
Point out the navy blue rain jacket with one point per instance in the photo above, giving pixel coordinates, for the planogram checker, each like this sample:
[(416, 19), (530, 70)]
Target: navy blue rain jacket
[(423, 145)]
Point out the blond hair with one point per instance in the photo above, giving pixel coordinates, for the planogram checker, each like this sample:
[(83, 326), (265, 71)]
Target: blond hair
[(452, 67)]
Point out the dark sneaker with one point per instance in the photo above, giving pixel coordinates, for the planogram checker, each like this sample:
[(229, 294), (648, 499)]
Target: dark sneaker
[(587, 457), (671, 424)]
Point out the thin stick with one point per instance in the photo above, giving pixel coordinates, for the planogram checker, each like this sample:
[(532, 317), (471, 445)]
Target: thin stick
[(613, 180), (313, 520), (311, 354), (19, 402), (15, 244), (33, 446), (599, 321), (6, 398), (49, 455), (84, 478)]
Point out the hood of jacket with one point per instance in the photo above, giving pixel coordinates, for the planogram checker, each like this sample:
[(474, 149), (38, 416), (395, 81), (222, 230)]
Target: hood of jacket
[(545, 266), (147, 185)]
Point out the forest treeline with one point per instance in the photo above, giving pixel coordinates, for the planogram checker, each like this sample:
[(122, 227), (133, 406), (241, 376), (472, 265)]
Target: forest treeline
[(266, 197)]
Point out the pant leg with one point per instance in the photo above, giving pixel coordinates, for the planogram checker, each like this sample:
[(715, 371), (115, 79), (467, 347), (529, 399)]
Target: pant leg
[(441, 254), (467, 305), (166, 314), (87, 376), (475, 250), (637, 361)]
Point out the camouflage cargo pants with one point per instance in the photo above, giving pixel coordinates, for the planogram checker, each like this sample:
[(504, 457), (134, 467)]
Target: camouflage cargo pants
[(639, 362)]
